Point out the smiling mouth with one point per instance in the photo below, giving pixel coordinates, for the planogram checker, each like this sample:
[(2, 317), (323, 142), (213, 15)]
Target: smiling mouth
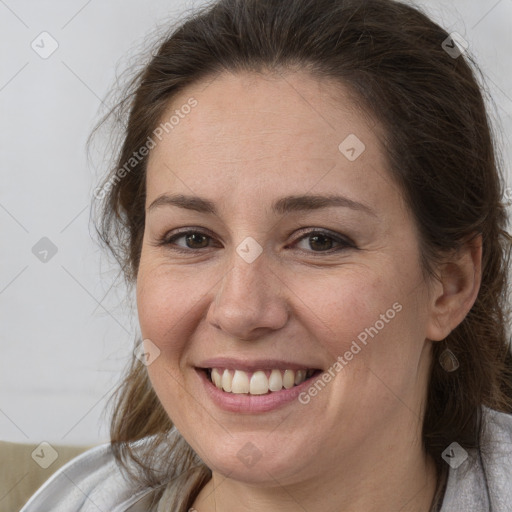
[(260, 382)]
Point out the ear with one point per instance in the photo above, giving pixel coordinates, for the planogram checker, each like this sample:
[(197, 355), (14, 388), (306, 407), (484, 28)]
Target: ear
[(459, 282)]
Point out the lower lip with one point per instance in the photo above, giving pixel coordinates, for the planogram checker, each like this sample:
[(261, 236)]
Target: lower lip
[(245, 403)]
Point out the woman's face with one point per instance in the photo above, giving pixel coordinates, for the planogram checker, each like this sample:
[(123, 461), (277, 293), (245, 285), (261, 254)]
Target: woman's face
[(276, 241)]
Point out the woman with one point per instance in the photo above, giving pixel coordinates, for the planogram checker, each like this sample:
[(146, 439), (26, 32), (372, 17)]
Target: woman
[(308, 200)]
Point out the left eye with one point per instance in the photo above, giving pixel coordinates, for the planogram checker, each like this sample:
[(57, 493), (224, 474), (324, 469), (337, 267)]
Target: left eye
[(323, 242)]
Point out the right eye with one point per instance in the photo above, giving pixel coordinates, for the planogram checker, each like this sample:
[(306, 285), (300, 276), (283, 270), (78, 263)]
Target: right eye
[(194, 240)]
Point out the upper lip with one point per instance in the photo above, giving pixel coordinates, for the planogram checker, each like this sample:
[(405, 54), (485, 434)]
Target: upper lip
[(255, 364)]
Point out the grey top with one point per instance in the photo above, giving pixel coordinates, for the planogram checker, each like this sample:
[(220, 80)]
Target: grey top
[(478, 481), (483, 482)]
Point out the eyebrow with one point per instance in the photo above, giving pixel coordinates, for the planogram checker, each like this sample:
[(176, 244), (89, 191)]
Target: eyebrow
[(283, 205)]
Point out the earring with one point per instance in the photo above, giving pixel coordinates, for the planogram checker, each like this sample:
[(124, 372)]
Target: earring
[(448, 361)]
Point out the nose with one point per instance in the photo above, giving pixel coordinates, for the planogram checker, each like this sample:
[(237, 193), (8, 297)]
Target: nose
[(250, 302)]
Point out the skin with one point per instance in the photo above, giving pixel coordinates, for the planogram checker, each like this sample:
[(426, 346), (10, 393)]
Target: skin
[(356, 446)]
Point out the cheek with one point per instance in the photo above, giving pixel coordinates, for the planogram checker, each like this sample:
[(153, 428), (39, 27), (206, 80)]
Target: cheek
[(166, 301), (165, 304), (372, 319), (344, 306)]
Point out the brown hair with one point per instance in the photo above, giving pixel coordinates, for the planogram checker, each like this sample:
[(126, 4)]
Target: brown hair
[(441, 152)]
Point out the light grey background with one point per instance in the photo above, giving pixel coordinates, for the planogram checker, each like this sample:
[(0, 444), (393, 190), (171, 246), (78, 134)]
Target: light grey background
[(66, 330)]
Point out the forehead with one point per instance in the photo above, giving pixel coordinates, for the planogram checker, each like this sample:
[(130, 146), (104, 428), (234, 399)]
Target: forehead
[(255, 132), (288, 105)]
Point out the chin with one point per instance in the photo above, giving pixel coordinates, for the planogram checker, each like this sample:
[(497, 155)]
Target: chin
[(256, 459)]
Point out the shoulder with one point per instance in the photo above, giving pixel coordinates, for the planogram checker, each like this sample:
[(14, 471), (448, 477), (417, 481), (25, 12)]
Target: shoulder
[(481, 480), (499, 427), (496, 454), (90, 482)]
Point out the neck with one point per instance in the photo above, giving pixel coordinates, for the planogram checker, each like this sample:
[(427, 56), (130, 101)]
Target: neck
[(400, 479)]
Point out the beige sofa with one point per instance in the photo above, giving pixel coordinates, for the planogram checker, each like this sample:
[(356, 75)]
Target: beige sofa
[(24, 468)]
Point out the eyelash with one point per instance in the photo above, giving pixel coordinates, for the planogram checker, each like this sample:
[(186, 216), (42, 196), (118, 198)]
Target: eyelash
[(345, 243)]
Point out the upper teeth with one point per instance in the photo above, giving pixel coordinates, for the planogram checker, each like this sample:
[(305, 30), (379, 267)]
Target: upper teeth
[(259, 382)]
